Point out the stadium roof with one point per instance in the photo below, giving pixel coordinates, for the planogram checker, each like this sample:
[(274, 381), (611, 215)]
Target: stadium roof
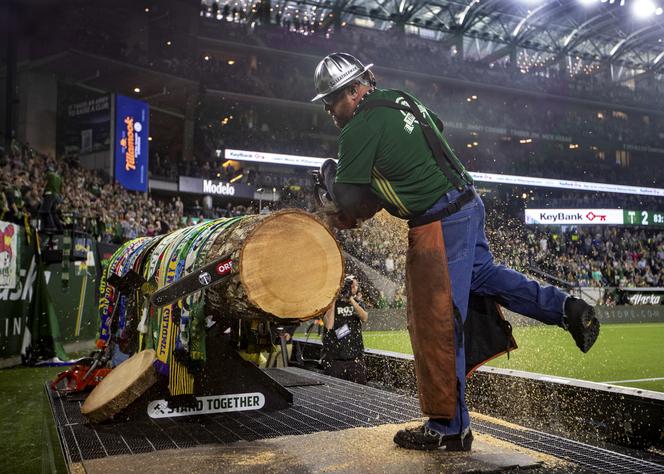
[(626, 33)]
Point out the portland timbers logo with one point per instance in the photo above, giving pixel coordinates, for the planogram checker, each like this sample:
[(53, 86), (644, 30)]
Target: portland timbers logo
[(204, 278), (408, 118)]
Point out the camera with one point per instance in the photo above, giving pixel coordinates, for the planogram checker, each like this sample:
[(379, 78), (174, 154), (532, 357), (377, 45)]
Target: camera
[(346, 290)]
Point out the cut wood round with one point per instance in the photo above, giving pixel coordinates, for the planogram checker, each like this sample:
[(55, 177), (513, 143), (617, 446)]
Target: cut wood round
[(288, 265), (121, 387)]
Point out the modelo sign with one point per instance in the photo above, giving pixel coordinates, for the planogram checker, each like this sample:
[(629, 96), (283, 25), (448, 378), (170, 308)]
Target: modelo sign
[(215, 187), (224, 189), (131, 143)]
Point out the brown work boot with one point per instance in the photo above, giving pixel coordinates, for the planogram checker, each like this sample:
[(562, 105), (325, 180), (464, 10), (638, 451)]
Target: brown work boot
[(424, 438), (580, 321)]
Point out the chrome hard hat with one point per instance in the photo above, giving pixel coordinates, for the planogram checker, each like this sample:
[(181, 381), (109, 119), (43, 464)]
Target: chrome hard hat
[(335, 71)]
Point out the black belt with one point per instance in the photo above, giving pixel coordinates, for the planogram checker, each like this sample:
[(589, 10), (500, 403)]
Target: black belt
[(451, 208)]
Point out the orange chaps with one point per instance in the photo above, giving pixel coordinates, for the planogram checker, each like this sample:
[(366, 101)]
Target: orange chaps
[(431, 320)]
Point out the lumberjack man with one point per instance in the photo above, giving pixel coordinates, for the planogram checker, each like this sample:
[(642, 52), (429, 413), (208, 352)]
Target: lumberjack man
[(393, 155)]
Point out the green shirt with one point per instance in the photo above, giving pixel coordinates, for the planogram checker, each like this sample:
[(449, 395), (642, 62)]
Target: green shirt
[(385, 148), (53, 184)]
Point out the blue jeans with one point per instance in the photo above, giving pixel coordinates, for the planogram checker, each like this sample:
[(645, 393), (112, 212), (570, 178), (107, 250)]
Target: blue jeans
[(472, 269)]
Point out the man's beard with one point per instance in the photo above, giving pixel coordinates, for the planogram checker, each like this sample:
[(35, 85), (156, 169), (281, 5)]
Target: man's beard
[(339, 122)]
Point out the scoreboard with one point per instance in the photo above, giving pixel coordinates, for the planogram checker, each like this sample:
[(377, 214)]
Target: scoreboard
[(644, 218)]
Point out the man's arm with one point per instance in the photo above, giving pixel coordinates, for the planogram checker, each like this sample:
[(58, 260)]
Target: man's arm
[(353, 202), (358, 147), (361, 312), (356, 202)]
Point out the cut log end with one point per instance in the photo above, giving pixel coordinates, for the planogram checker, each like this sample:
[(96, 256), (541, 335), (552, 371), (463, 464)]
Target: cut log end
[(292, 266), (121, 387)]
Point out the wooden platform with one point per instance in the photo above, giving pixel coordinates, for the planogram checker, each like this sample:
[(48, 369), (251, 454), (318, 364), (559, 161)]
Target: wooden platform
[(365, 450)]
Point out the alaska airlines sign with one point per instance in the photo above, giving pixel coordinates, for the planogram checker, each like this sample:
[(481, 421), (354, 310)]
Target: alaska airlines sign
[(131, 143)]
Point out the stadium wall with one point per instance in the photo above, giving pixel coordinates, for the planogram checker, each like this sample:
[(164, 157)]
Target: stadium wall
[(37, 111), (72, 287)]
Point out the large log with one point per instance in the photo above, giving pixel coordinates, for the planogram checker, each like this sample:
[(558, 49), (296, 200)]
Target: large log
[(288, 266)]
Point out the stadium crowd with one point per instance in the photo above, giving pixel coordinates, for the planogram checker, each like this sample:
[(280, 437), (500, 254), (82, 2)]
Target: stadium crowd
[(104, 210), (492, 119), (512, 114), (404, 52), (485, 150), (265, 74), (583, 256), (107, 211), (586, 256)]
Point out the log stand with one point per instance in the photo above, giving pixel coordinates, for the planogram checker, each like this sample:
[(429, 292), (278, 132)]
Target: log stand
[(225, 374)]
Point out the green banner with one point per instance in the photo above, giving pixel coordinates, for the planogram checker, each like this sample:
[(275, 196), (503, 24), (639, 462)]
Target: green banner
[(74, 300)]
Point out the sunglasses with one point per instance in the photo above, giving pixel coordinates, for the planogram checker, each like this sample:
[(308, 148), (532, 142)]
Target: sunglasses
[(329, 100)]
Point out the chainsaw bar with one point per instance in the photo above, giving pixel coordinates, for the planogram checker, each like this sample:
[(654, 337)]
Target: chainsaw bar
[(210, 275)]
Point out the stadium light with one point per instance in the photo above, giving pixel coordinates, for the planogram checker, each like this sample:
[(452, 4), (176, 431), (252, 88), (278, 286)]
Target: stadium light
[(643, 8), (137, 89), (231, 62)]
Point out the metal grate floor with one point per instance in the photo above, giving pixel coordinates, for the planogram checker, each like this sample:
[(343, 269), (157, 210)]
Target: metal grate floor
[(594, 458), (321, 403)]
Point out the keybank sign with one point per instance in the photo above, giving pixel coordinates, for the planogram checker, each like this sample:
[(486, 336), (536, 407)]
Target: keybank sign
[(574, 216), (215, 187)]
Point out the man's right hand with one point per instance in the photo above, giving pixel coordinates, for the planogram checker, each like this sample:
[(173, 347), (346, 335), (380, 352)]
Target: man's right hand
[(340, 220)]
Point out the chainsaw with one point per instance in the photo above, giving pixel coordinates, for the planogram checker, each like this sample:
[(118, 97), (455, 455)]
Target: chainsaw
[(323, 179), (84, 375), (89, 371)]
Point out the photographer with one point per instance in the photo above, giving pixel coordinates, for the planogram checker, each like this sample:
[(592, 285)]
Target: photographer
[(343, 348)]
